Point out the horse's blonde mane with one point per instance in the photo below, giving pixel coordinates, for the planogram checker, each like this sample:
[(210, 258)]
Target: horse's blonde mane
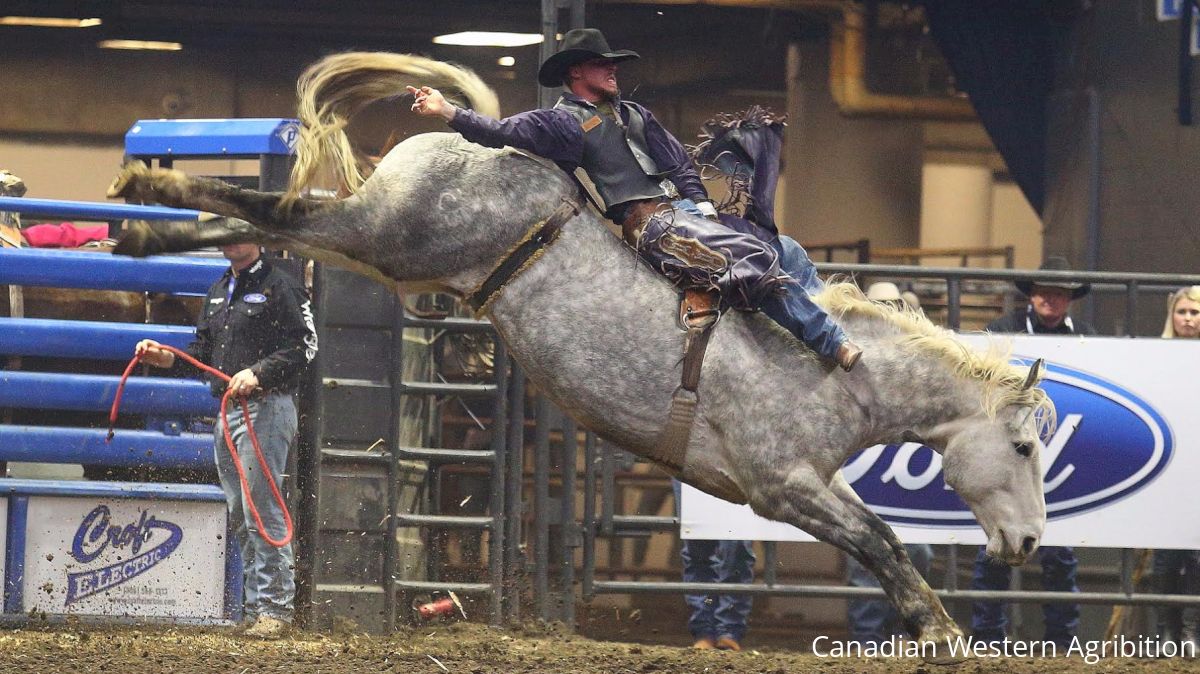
[(1002, 381), (335, 88)]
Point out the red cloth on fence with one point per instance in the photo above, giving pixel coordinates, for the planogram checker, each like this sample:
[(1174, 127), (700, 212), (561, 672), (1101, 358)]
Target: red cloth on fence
[(64, 235)]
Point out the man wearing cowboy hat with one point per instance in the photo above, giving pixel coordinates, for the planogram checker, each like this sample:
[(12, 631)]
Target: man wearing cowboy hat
[(649, 186), (1049, 302), (1045, 314)]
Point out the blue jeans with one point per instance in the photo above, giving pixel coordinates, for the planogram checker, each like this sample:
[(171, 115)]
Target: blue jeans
[(988, 621), (269, 582), (795, 310), (715, 616), (875, 620)]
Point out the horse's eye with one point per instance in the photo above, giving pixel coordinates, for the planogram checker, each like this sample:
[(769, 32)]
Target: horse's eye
[(1023, 448)]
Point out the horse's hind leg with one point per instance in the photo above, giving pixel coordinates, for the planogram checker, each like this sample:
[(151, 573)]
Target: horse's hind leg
[(140, 238), (298, 220), (171, 187), (805, 501)]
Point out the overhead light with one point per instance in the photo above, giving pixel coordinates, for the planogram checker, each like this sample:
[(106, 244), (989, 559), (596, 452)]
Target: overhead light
[(48, 22), (481, 38), (139, 44), (506, 61)]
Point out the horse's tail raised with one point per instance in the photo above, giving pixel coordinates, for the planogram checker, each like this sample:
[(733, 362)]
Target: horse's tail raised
[(334, 89)]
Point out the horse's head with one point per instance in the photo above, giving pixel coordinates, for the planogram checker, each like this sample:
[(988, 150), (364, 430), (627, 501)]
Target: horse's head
[(992, 460)]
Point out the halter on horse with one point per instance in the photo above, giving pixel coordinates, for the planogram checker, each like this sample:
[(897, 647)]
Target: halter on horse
[(773, 424)]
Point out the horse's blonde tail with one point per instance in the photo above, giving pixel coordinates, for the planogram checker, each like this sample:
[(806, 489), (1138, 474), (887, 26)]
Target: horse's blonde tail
[(334, 89)]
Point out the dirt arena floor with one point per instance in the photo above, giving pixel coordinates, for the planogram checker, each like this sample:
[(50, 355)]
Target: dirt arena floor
[(453, 649)]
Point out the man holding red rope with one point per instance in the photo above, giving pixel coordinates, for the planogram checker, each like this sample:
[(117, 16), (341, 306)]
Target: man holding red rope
[(256, 326)]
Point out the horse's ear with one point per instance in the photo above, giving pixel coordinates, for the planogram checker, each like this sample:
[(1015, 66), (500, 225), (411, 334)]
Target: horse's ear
[(1035, 373)]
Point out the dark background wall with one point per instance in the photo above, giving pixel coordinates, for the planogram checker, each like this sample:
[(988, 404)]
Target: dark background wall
[(1122, 190), (67, 102)]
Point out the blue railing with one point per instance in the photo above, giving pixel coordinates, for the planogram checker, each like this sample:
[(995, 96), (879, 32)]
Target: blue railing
[(106, 341), (93, 210)]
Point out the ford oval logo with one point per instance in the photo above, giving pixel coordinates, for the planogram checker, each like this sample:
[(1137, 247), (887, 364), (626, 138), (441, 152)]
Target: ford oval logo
[(1109, 443)]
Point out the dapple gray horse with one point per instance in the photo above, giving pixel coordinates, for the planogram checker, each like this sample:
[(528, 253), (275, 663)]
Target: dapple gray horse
[(598, 333)]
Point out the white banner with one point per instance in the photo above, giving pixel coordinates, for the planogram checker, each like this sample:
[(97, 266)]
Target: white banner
[(125, 557), (1120, 471)]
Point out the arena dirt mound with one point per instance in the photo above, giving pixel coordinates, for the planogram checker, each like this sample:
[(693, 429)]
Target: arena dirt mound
[(463, 648)]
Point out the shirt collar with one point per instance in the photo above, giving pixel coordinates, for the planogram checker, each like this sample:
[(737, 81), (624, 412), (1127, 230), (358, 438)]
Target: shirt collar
[(572, 96), (254, 273), (1034, 325)]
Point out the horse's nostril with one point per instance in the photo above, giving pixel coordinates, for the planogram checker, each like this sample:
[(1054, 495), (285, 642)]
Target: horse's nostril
[(1027, 544)]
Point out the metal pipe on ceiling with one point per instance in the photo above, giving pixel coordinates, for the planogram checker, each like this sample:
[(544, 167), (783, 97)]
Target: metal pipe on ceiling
[(847, 61), (848, 83)]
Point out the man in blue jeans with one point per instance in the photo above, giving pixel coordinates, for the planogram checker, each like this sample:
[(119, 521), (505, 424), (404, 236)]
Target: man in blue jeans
[(1045, 314), (988, 622), (717, 621), (257, 327)]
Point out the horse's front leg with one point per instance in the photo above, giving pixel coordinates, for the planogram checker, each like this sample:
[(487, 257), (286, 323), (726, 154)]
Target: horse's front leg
[(932, 622), (823, 510)]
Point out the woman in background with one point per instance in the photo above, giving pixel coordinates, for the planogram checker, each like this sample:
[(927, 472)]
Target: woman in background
[(1178, 571)]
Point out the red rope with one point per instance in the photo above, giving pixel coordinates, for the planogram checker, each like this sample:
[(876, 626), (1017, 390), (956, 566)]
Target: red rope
[(237, 462)]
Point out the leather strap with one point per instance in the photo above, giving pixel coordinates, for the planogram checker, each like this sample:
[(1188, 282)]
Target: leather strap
[(538, 237), (699, 314)]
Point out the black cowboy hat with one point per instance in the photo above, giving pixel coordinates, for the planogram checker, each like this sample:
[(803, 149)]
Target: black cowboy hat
[(1055, 263), (579, 45)]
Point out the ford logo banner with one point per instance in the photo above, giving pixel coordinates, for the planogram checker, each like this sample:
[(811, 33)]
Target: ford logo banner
[(1125, 451), (1122, 446)]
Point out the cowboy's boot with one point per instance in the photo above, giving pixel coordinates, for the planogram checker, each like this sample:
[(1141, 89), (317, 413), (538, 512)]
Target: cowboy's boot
[(847, 355)]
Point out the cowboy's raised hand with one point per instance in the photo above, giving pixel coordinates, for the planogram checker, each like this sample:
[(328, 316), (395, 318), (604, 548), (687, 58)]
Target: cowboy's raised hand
[(429, 101)]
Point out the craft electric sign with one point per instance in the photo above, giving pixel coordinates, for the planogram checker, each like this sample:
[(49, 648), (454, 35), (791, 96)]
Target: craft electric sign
[(92, 555), (129, 550), (1126, 449)]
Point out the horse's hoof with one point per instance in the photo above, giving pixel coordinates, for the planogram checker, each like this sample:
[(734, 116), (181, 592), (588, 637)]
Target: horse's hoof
[(124, 185), (136, 241), (944, 659), (937, 647)]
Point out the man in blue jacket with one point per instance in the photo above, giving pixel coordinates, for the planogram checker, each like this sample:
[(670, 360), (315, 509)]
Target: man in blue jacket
[(1045, 314), (650, 187)]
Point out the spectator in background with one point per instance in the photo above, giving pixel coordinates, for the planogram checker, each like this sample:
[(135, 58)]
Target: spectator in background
[(1178, 571), (717, 621), (1047, 313), (875, 620)]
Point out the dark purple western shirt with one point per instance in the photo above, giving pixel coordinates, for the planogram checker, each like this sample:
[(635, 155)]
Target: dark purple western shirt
[(555, 135)]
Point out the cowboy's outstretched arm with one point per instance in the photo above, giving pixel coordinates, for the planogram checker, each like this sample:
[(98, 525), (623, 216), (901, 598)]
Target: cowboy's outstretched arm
[(553, 134)]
